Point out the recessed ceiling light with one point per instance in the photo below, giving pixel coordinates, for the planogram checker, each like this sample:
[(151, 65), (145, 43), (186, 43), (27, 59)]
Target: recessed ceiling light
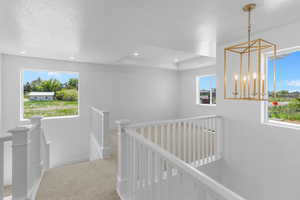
[(136, 54), (22, 52), (72, 57), (176, 60)]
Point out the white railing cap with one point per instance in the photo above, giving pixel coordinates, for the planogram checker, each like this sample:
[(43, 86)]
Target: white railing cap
[(5, 137), (136, 125), (36, 119), (98, 110), (122, 122), (19, 129)]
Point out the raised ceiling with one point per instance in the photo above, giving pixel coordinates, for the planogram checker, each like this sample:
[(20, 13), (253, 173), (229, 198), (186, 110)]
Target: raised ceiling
[(164, 33)]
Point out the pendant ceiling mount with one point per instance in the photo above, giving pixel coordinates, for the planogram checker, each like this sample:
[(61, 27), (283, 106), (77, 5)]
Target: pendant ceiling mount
[(249, 7)]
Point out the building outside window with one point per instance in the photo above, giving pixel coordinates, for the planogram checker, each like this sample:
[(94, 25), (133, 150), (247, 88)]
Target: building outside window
[(285, 107), (49, 94), (206, 90)]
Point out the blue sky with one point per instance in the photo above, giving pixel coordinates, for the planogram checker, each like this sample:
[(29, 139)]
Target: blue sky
[(288, 73), (30, 75), (207, 82)]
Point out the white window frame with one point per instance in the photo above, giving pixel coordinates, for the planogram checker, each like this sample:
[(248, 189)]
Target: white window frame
[(198, 91), (21, 117), (264, 105)]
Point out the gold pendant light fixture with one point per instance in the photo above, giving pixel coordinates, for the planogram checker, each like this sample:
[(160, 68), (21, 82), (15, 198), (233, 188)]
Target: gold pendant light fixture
[(245, 67)]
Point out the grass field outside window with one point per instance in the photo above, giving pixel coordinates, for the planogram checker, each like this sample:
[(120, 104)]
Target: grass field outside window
[(63, 87), (285, 107)]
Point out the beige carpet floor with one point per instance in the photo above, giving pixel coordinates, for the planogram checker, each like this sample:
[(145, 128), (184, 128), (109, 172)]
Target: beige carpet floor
[(83, 181)]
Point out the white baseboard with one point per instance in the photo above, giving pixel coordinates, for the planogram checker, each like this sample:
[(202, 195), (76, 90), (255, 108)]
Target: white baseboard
[(71, 162)]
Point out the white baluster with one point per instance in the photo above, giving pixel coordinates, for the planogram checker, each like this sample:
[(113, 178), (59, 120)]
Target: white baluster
[(179, 140), (168, 179), (215, 138), (134, 168), (194, 143), (184, 141), (152, 175), (156, 134), (146, 172), (1, 168), (122, 156), (162, 136), (143, 131), (212, 137), (203, 140), (207, 141), (139, 169), (149, 173), (174, 138), (190, 143), (159, 164), (168, 138), (105, 137), (199, 140), (144, 164), (181, 185)]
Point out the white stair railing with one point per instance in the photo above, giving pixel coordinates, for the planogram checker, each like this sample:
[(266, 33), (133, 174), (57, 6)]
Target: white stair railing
[(30, 157), (153, 170), (100, 147), (196, 140)]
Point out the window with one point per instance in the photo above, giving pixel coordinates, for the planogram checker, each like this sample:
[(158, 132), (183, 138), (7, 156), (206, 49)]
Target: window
[(285, 107), (206, 90), (49, 94)]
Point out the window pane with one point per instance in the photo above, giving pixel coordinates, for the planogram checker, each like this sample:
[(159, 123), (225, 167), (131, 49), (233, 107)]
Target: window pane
[(286, 106), (214, 90), (207, 89), (50, 94)]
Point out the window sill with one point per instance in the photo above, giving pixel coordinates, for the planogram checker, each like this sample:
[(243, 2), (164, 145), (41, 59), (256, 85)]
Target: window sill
[(282, 124), (209, 105), (58, 117)]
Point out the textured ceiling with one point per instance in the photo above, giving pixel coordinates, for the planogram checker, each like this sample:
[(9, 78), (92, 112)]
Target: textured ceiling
[(165, 33)]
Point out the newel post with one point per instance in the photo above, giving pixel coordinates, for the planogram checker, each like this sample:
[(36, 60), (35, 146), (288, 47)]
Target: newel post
[(106, 148), (36, 120), (35, 153), (121, 179), (20, 154)]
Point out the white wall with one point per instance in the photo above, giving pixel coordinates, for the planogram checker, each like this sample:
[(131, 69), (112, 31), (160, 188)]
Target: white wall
[(134, 93), (187, 88), (261, 162), (1, 130)]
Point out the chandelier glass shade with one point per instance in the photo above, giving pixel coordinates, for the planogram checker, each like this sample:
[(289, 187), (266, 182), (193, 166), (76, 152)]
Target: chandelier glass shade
[(246, 67)]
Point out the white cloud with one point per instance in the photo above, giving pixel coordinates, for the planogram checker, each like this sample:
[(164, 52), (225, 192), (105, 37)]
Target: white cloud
[(293, 83), (52, 73)]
